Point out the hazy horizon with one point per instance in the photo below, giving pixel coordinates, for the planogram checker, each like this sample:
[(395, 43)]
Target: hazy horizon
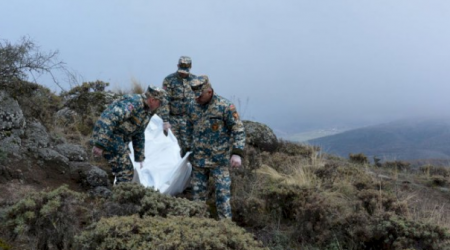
[(295, 65)]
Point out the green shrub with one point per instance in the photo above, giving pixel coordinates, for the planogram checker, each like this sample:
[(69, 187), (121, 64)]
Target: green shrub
[(131, 198), (172, 233), (432, 170), (36, 101), (4, 245), (439, 181), (296, 149), (374, 201), (358, 158), (394, 232), (88, 101), (47, 218), (400, 165)]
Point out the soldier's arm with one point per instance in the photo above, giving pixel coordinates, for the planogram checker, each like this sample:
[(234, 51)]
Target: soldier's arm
[(164, 109), (108, 121), (139, 145), (189, 126), (236, 128)]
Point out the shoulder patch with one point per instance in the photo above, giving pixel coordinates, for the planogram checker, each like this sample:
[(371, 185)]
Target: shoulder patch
[(130, 107)]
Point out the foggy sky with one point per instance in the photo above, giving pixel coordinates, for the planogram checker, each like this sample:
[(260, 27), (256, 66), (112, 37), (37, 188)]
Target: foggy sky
[(292, 64)]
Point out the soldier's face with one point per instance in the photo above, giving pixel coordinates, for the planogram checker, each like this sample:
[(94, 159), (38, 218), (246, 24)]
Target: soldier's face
[(205, 97), (183, 75), (153, 103)]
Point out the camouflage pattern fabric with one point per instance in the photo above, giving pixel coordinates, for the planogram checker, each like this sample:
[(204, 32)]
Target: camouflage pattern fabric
[(222, 181), (215, 131), (178, 127), (124, 121), (173, 110)]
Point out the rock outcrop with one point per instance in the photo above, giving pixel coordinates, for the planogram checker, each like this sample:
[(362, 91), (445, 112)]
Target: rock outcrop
[(29, 154), (260, 136)]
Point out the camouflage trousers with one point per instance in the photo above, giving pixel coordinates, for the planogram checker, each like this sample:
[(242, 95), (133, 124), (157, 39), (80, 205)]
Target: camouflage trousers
[(178, 127), (121, 165), (222, 181)]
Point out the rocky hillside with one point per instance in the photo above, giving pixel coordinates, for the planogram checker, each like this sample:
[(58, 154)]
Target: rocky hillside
[(53, 195)]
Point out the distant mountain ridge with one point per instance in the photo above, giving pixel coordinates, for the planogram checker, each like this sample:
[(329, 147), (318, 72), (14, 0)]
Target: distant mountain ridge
[(400, 140)]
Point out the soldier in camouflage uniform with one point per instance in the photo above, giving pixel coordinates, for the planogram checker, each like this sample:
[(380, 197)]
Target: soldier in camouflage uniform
[(179, 94), (217, 137), (125, 121)]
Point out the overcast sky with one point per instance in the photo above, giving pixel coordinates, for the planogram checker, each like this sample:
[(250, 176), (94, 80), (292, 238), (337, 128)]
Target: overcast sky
[(292, 64)]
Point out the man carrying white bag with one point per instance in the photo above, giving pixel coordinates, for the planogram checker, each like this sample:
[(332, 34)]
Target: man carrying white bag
[(163, 168)]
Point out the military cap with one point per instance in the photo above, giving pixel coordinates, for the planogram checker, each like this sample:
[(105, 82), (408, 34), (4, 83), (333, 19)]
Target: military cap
[(200, 83), (184, 64), (155, 92)]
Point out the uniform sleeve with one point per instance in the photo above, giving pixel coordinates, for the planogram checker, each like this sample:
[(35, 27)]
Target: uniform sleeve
[(139, 145), (189, 125), (110, 119), (163, 110), (235, 125)]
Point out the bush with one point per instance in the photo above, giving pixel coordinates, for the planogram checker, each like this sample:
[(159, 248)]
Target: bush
[(394, 232), (432, 170), (439, 181), (358, 158), (131, 198), (170, 233), (296, 149), (48, 218), (35, 100), (400, 165), (375, 202), (88, 101)]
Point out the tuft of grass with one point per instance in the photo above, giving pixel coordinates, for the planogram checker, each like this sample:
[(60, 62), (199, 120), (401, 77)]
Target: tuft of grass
[(137, 87)]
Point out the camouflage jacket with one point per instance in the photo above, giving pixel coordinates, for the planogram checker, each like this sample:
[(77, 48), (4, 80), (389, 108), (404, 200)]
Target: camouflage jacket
[(215, 131), (179, 94), (123, 121)]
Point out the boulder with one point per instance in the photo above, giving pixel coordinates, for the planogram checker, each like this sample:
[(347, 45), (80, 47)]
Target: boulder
[(260, 136), (48, 157), (88, 175), (65, 116), (73, 152), (11, 116), (36, 136)]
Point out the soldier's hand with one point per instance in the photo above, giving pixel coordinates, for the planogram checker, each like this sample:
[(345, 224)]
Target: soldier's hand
[(166, 126), (97, 151), (235, 161)]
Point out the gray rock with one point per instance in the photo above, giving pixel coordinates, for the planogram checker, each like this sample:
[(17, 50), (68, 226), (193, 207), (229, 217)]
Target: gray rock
[(11, 116), (101, 191), (51, 158), (73, 152), (65, 116), (96, 177), (88, 175), (260, 136), (36, 136), (11, 145)]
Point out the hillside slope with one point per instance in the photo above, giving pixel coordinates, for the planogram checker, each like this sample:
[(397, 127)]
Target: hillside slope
[(401, 140)]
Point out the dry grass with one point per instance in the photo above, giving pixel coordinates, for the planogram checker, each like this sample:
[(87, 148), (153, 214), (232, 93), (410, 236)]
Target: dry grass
[(134, 87)]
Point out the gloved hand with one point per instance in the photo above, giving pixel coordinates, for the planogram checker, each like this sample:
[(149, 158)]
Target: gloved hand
[(235, 161), (141, 164), (166, 126), (97, 151)]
